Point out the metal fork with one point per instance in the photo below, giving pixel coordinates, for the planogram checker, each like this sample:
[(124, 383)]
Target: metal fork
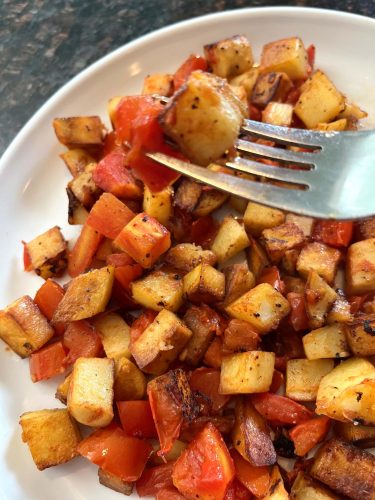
[(336, 178)]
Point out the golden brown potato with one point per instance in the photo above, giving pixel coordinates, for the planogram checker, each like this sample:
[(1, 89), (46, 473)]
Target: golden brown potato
[(204, 284), (360, 335), (360, 267), (364, 229), (90, 395), (337, 125), (277, 240), (77, 213), (51, 435), (246, 80), (76, 160), (160, 343), (357, 403), (259, 217), (112, 104), (320, 258), (23, 327), (186, 256), (209, 201), (238, 280), (289, 261), (83, 188), (303, 377), (287, 55), (158, 205), (352, 110), (47, 253), (278, 113), (319, 298), (115, 335), (229, 57), (79, 131), (306, 488), (159, 84), (187, 194), (271, 87), (63, 389), (239, 336), (86, 296), (247, 372), (303, 222), (130, 383), (160, 289), (263, 307), (341, 310), (326, 342), (276, 490), (204, 117), (114, 482), (257, 258), (230, 239), (360, 435), (239, 204), (346, 469)]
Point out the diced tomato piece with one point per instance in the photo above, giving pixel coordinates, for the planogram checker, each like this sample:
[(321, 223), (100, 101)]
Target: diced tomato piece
[(27, 265), (255, 113), (298, 316), (271, 275), (109, 215), (144, 239), (256, 479), (280, 363), (237, 491), (207, 381), (170, 493), (81, 340), (83, 251), (47, 298), (356, 302), (124, 275), (334, 233), (308, 434), (136, 419), (155, 479), (116, 453), (205, 468), (311, 56), (279, 408), (214, 353), (111, 143), (203, 231), (192, 63), (141, 323), (112, 175), (293, 96), (277, 381), (119, 259), (47, 362)]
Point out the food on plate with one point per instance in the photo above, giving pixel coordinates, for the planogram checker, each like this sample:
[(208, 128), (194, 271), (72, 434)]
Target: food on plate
[(196, 345)]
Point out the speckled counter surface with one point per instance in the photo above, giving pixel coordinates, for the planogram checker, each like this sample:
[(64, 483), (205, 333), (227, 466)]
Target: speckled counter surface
[(44, 43)]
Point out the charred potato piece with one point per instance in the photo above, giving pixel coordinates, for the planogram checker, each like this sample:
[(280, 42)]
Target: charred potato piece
[(278, 113), (158, 205), (51, 435), (203, 117), (360, 267), (76, 160), (229, 57), (239, 336), (186, 256), (270, 87), (238, 280), (340, 311), (257, 258), (259, 217), (83, 188), (79, 131), (306, 488), (326, 342), (303, 377), (115, 483), (115, 335), (360, 435), (204, 284), (319, 298), (279, 239), (360, 335), (364, 229), (210, 201), (47, 253), (230, 239), (276, 490), (161, 289), (77, 213), (63, 389), (187, 194), (246, 80), (287, 55), (130, 383), (159, 84), (320, 258)]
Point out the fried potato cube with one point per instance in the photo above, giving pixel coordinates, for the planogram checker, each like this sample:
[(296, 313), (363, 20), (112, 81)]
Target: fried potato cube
[(320, 258), (303, 222), (346, 469), (352, 110), (276, 490), (246, 80), (115, 482), (247, 372), (360, 335), (112, 108), (47, 253), (130, 383), (287, 55), (278, 113), (337, 125), (360, 435), (358, 403), (186, 256), (204, 284), (83, 188), (271, 87), (204, 117), (160, 343), (257, 258), (348, 374), (319, 101), (144, 239), (303, 377), (76, 160), (115, 335), (279, 239), (86, 296), (158, 205), (259, 217), (209, 201), (306, 488), (77, 213), (263, 307), (63, 389), (79, 131), (159, 84), (51, 435), (326, 342), (238, 280), (23, 327), (230, 239), (161, 289), (90, 396), (187, 194), (360, 267), (319, 298), (239, 204), (229, 57)]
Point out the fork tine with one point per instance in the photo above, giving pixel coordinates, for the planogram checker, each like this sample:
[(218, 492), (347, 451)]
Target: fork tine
[(285, 135), (279, 154)]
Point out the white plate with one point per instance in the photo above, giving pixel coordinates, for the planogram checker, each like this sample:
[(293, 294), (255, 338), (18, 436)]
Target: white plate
[(33, 178)]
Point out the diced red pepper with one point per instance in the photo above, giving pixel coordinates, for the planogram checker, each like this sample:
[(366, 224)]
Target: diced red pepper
[(109, 215), (190, 430), (192, 63), (83, 251), (255, 113), (136, 419), (308, 434), (124, 275), (155, 479), (141, 323), (116, 453), (111, 143), (47, 362), (256, 479), (169, 493), (214, 353), (280, 409), (356, 302), (336, 234), (311, 56), (277, 381), (237, 491), (119, 259), (207, 381), (81, 340), (47, 298), (298, 316), (203, 231), (271, 275)]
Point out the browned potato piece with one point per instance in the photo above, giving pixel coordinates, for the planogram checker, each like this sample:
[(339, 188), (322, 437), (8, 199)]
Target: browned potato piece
[(326, 342), (247, 372), (279, 239), (337, 125), (306, 488), (204, 117), (303, 222), (360, 267), (112, 104), (158, 205), (159, 84), (357, 403), (259, 217), (238, 280), (77, 213), (86, 296), (320, 258), (210, 201), (187, 194), (289, 260), (287, 55), (364, 229), (361, 335), (229, 57), (303, 377), (160, 343), (360, 435), (251, 435), (90, 395), (63, 389), (47, 253), (263, 307), (246, 80), (276, 490), (83, 188), (230, 239), (319, 297), (79, 131), (278, 113), (186, 256), (271, 87), (239, 204), (51, 435), (160, 289), (294, 284), (130, 383), (115, 335), (257, 258), (240, 336), (352, 110), (115, 483), (340, 311), (76, 160), (204, 284), (346, 469), (23, 327)]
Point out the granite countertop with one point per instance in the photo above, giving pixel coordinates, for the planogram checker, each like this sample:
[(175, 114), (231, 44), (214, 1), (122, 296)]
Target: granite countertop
[(44, 43)]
